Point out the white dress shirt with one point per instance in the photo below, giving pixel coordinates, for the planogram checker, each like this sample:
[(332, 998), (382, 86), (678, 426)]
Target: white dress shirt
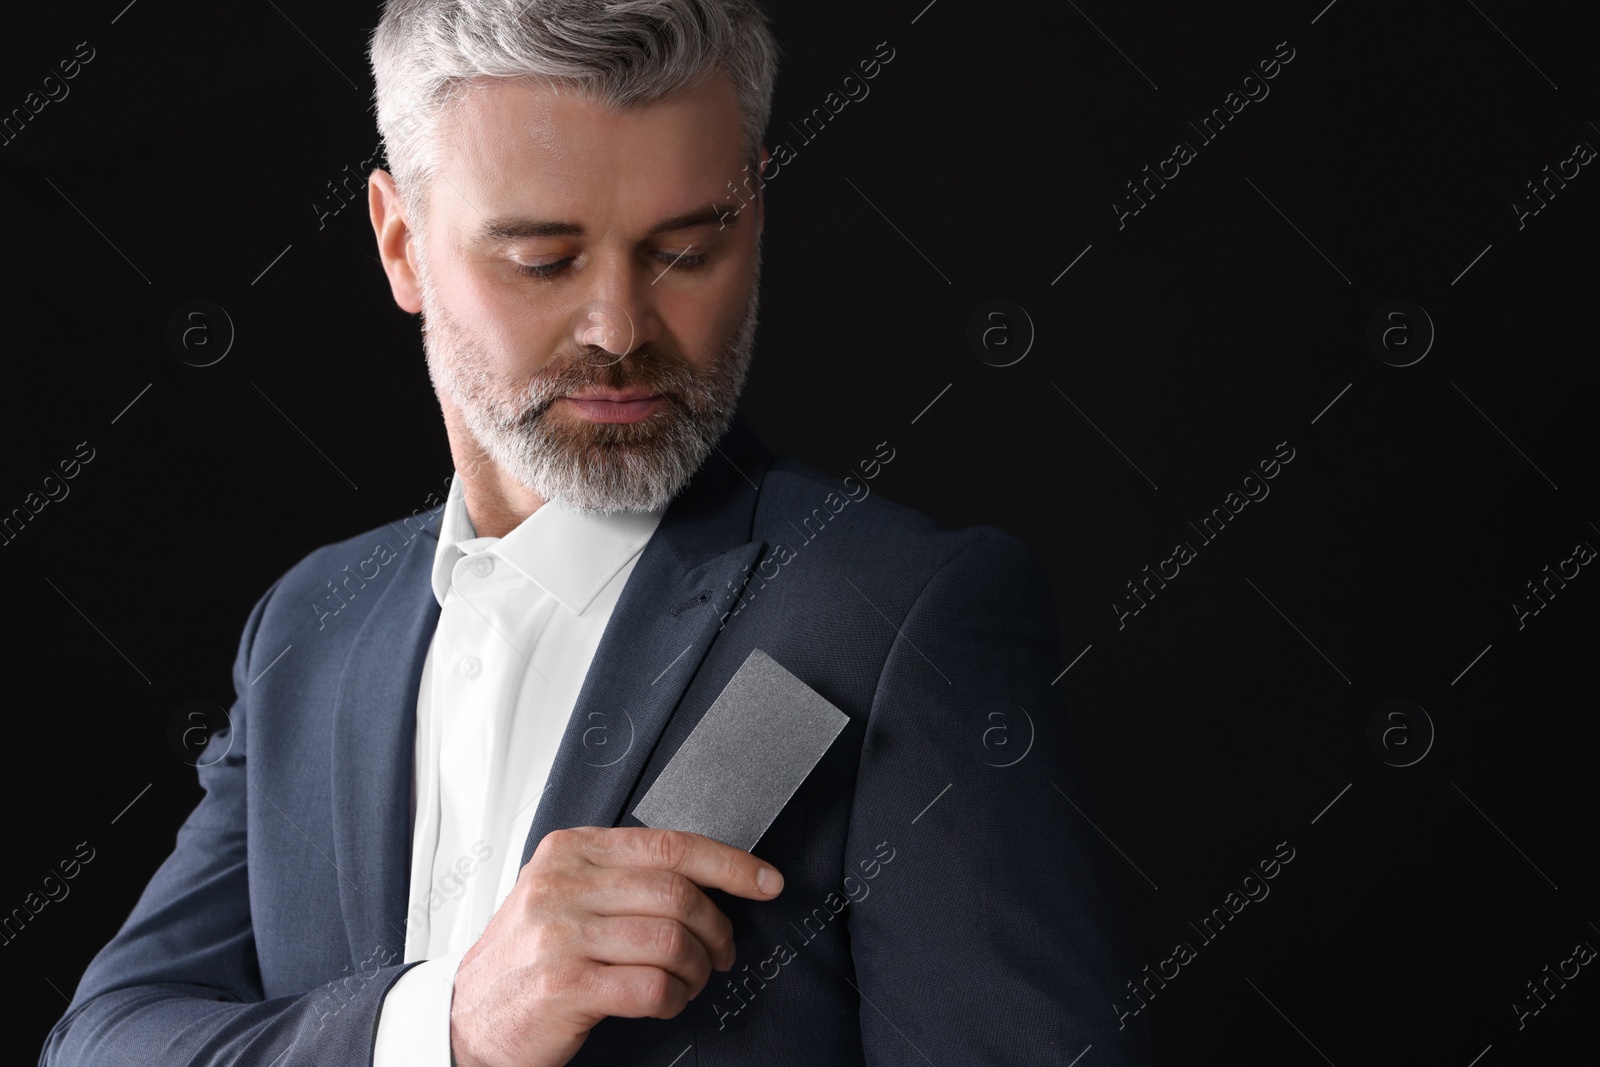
[(520, 618)]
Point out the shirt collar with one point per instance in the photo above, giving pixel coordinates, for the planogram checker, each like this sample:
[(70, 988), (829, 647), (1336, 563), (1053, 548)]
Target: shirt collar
[(572, 555)]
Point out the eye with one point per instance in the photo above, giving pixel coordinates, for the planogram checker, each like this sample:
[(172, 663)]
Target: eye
[(545, 270), (678, 261), (683, 261)]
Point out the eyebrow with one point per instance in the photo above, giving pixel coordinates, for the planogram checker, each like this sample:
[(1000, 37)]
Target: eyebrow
[(513, 228)]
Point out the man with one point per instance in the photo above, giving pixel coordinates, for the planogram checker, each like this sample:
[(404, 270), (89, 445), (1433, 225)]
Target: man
[(419, 846)]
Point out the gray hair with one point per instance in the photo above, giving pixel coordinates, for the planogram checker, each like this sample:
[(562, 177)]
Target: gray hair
[(623, 53)]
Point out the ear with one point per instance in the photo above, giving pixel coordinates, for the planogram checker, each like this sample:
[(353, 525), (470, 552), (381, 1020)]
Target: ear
[(394, 234)]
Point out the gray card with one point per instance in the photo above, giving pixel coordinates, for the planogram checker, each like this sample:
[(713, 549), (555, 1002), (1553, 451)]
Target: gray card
[(745, 757)]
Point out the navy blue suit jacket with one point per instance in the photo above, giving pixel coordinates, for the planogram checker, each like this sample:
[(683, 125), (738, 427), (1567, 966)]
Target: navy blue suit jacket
[(944, 901)]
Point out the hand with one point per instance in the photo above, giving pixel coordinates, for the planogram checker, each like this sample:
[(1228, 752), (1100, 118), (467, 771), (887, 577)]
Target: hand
[(601, 921)]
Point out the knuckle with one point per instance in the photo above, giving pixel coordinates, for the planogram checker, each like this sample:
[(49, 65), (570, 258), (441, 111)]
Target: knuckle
[(602, 990), (539, 889), (556, 841), (562, 977), (656, 989), (677, 894), (666, 849), (548, 942), (669, 939)]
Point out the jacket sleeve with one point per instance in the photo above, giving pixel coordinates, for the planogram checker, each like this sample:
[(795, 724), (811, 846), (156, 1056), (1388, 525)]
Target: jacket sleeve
[(984, 921), (179, 983)]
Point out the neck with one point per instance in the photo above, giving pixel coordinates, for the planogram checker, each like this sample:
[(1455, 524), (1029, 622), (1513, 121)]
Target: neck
[(496, 502)]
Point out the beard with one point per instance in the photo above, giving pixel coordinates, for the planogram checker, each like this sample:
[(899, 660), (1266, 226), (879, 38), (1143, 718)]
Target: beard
[(591, 466)]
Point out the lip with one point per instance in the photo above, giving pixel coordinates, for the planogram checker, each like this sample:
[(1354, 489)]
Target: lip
[(601, 394), (605, 407)]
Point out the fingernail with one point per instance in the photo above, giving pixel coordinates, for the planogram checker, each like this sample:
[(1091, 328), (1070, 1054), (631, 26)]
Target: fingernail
[(768, 880)]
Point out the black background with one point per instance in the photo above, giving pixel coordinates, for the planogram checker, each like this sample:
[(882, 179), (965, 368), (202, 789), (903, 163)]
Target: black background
[(1178, 351)]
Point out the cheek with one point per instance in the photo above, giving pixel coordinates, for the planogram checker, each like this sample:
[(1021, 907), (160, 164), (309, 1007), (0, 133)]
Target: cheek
[(507, 329), (515, 333), (709, 320)]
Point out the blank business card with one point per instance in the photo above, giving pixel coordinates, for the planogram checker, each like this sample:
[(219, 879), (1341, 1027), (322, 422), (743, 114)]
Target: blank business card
[(745, 758)]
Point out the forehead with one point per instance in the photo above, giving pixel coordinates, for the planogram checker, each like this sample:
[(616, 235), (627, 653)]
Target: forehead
[(523, 145)]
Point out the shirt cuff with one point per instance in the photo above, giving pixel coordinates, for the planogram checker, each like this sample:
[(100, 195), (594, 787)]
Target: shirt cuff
[(414, 1019)]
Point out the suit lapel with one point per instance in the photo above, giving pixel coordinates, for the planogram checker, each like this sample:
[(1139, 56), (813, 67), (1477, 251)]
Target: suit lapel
[(665, 620), (374, 733)]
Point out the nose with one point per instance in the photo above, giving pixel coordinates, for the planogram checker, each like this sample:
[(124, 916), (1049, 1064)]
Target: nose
[(619, 314), (606, 325)]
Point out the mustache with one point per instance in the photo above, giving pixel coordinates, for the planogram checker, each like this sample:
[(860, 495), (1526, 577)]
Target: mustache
[(595, 368)]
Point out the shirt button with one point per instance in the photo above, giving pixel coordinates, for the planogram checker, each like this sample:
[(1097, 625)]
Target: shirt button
[(471, 666), (482, 565)]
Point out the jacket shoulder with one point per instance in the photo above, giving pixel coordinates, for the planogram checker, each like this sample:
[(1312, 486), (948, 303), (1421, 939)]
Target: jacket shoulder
[(846, 524), (328, 561)]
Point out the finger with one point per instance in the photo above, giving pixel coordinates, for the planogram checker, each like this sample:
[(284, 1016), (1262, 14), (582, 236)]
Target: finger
[(648, 940), (702, 860), (635, 992), (650, 892)]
